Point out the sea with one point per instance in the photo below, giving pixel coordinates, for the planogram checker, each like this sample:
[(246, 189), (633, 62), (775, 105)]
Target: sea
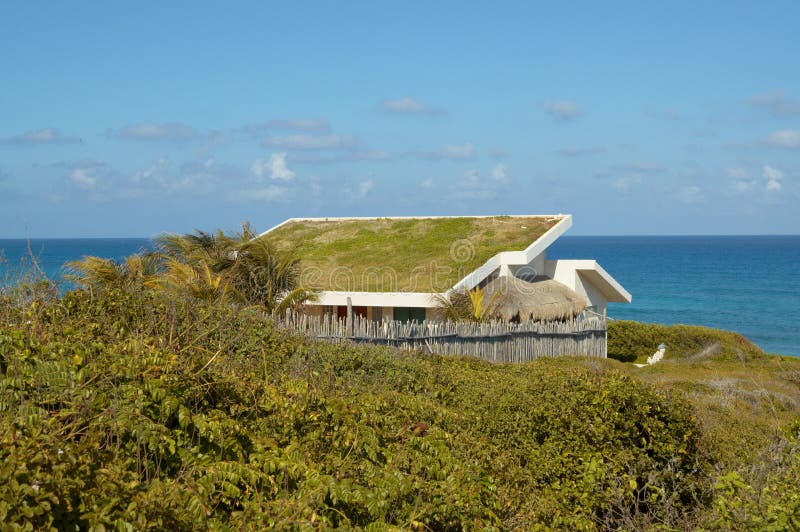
[(748, 284)]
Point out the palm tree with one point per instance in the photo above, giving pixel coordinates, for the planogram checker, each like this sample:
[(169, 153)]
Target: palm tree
[(234, 268), (217, 250), (199, 282), (133, 273), (468, 305), (257, 271)]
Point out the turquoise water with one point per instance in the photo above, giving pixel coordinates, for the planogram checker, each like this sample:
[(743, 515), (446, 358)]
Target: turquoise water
[(748, 284), (51, 254)]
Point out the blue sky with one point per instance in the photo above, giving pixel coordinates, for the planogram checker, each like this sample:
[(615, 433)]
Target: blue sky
[(635, 117)]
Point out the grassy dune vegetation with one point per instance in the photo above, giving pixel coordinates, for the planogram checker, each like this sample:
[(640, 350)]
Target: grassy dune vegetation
[(139, 409), (415, 255)]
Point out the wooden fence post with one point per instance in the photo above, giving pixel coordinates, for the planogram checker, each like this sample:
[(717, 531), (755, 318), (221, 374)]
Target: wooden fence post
[(349, 319), (495, 341)]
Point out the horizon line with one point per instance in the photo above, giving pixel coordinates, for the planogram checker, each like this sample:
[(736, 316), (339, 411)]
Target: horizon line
[(657, 235)]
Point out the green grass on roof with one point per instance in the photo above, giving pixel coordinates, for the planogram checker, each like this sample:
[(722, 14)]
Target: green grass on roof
[(410, 255)]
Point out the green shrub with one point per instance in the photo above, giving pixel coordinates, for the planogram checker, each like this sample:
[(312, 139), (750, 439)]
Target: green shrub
[(628, 339), (134, 409), (628, 357), (766, 496)]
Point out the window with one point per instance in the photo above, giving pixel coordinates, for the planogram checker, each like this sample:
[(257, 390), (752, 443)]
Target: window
[(406, 314), (341, 312)]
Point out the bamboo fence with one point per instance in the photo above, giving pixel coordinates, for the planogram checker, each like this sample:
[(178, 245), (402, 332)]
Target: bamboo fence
[(495, 341)]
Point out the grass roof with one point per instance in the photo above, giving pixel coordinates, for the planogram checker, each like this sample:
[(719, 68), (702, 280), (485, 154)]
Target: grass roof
[(402, 255)]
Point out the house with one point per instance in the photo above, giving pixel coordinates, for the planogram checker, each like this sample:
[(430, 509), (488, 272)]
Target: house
[(393, 268)]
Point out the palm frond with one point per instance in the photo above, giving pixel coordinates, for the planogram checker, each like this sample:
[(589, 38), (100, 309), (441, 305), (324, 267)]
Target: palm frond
[(467, 305), (294, 299)]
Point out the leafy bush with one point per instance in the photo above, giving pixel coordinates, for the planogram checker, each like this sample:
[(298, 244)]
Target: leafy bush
[(769, 498), (140, 409), (628, 357), (631, 338), (237, 269)]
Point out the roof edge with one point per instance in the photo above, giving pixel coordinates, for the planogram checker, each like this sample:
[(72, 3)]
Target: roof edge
[(610, 287), (423, 217), (517, 257)]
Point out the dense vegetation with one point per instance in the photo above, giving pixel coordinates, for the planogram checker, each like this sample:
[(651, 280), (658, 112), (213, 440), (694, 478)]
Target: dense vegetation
[(630, 340), (147, 400), (227, 268)]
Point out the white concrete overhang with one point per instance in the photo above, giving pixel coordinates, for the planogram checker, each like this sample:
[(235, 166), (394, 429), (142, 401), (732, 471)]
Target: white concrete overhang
[(600, 279), (376, 299), (517, 258)]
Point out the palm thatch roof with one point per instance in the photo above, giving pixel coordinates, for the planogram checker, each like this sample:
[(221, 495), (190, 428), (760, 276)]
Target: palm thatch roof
[(542, 299)]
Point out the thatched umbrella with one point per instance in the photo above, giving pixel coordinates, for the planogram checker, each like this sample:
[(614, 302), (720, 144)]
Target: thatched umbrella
[(542, 299)]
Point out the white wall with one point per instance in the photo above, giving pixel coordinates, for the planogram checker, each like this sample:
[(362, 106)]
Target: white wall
[(588, 290), (566, 273), (377, 299), (537, 266)]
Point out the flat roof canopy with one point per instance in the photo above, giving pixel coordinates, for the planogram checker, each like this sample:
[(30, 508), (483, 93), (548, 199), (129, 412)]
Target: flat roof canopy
[(410, 255)]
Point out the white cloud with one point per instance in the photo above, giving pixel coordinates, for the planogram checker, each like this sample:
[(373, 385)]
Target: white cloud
[(275, 167), (671, 114), (647, 167), (497, 153), (364, 188), (428, 183), (453, 152), (770, 179), (356, 155), (155, 176), (409, 106), (156, 180), (84, 178), (773, 178), (199, 177), (311, 142), (784, 138), (472, 178), (745, 185), (499, 173), (314, 186), (776, 102), (95, 178), (271, 194), (627, 183), (473, 186), (91, 175), (211, 140), (477, 194), (691, 195), (196, 178), (153, 131), (47, 135), (579, 151), (259, 168), (736, 172), (191, 179), (304, 125), (308, 125), (562, 110)]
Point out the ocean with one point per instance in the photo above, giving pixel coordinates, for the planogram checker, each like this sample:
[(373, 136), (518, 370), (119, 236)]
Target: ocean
[(748, 284)]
